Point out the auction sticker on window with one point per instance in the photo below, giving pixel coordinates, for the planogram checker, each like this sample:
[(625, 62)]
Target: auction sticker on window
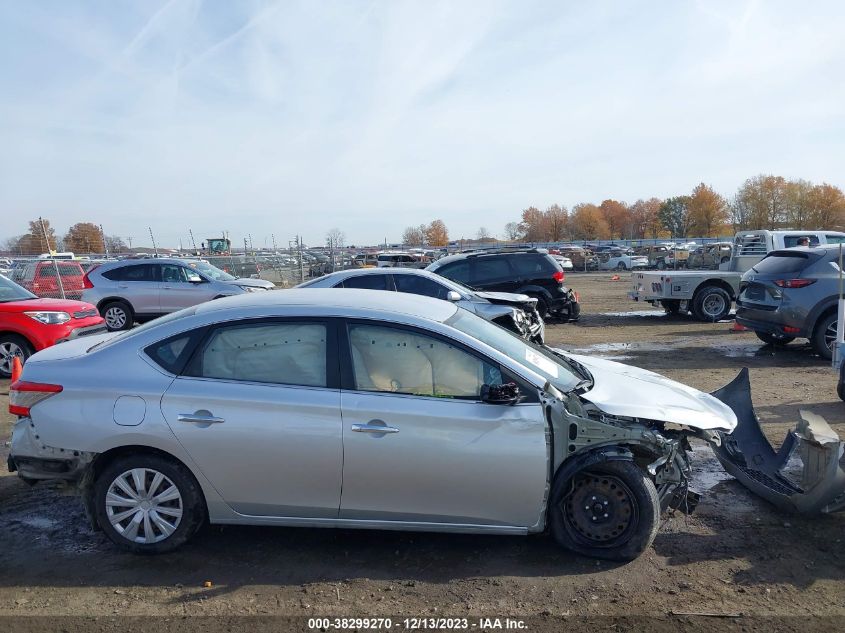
[(541, 362)]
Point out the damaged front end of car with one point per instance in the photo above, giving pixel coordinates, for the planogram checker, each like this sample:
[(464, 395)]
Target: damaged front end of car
[(806, 475), (584, 436)]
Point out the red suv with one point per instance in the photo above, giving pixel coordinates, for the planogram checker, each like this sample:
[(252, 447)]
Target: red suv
[(29, 324), (40, 278)]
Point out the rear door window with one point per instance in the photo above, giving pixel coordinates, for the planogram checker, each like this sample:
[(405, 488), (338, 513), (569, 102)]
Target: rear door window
[(489, 269), (367, 282), (834, 239), (536, 265), (115, 274), (419, 285), (459, 271), (140, 272)]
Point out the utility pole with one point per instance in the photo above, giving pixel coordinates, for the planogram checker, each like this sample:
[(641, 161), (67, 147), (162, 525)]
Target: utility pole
[(152, 237), (50, 252), (103, 235), (129, 239), (191, 233)]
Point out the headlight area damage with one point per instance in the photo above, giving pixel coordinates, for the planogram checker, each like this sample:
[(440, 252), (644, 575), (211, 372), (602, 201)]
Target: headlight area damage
[(585, 436), (807, 474)]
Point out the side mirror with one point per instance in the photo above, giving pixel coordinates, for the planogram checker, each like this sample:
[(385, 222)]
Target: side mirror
[(195, 279), (453, 296), (500, 394)]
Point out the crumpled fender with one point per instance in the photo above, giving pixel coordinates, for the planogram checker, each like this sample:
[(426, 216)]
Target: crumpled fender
[(746, 454)]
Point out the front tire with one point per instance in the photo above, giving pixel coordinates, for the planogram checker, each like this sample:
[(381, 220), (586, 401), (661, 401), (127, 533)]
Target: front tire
[(610, 511), (12, 346), (621, 267), (118, 316), (770, 338), (824, 336), (148, 504)]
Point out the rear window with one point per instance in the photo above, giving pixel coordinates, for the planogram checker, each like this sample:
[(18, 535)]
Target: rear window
[(65, 270), (780, 262)]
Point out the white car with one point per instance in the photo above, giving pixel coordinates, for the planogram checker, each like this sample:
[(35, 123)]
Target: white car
[(621, 261), (564, 262)]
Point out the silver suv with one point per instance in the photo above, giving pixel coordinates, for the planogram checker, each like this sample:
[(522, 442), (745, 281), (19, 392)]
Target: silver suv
[(140, 290)]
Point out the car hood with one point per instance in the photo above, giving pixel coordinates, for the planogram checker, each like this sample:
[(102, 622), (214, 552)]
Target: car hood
[(34, 305), (506, 297), (253, 283), (628, 391)]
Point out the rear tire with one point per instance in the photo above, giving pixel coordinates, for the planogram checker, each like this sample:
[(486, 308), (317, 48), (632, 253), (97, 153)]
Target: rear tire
[(11, 346), (118, 316), (774, 339), (621, 267), (711, 304), (610, 510), (824, 336), (148, 504), (542, 307), (661, 265)]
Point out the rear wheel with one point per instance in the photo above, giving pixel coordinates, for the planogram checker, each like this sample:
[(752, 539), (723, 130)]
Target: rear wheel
[(610, 510), (824, 336), (12, 346), (711, 303), (118, 315), (661, 265), (148, 504), (542, 306), (769, 338), (621, 266)]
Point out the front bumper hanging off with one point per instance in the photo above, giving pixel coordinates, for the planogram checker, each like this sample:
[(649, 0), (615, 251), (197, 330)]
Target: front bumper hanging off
[(815, 485)]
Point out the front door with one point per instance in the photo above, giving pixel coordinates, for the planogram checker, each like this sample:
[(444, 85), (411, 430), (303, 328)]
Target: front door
[(258, 410), (177, 292), (421, 447)]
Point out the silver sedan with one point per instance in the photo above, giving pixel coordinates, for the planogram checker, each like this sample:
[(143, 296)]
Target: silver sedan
[(356, 409)]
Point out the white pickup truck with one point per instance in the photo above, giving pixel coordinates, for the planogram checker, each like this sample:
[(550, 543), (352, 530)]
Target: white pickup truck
[(708, 294)]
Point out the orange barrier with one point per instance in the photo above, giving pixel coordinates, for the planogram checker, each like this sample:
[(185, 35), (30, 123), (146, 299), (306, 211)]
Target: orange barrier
[(17, 368)]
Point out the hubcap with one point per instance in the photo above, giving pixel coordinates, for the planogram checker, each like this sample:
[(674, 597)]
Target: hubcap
[(713, 305), (830, 336), (115, 318), (8, 352), (144, 506), (600, 508)]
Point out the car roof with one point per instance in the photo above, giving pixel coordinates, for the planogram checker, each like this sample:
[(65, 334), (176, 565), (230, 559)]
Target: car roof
[(145, 260), (347, 300)]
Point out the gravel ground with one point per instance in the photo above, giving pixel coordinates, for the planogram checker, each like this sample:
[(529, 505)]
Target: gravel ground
[(734, 556)]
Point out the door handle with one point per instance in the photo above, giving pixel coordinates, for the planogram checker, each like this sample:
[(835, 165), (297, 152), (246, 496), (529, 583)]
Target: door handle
[(374, 428), (199, 418)]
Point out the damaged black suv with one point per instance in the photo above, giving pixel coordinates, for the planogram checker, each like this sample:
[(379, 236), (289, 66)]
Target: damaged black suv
[(532, 272)]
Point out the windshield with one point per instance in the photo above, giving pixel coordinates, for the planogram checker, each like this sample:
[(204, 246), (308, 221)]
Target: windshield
[(538, 359), (211, 271), (10, 291)]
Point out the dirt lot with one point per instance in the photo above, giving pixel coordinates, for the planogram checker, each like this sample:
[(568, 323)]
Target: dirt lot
[(736, 555)]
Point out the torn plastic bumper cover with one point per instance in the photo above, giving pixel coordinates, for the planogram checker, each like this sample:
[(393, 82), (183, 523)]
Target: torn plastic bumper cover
[(747, 455)]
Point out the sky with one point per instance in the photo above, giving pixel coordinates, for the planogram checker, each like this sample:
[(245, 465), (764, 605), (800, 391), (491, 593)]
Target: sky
[(272, 119)]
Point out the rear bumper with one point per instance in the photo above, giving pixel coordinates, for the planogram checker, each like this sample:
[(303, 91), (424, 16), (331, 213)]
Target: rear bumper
[(34, 461), (753, 320)]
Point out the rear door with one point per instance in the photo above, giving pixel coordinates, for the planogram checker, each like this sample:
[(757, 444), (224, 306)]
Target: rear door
[(258, 409), (493, 273), (139, 284)]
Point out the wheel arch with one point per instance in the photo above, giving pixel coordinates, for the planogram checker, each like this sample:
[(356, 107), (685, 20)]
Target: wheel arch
[(111, 299), (102, 461), (717, 283)]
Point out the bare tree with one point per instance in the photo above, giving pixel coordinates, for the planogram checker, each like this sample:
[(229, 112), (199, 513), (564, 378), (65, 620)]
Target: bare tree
[(335, 238), (483, 235), (512, 232)]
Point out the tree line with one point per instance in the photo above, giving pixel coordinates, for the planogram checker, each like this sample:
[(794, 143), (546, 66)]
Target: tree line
[(762, 202), (82, 237)]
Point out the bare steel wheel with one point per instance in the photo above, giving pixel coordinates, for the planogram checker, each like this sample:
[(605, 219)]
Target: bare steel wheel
[(600, 508), (144, 506), (148, 503), (609, 510)]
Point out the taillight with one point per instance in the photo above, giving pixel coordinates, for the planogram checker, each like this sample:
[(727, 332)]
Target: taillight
[(86, 283), (24, 395), (794, 283), (559, 276)]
